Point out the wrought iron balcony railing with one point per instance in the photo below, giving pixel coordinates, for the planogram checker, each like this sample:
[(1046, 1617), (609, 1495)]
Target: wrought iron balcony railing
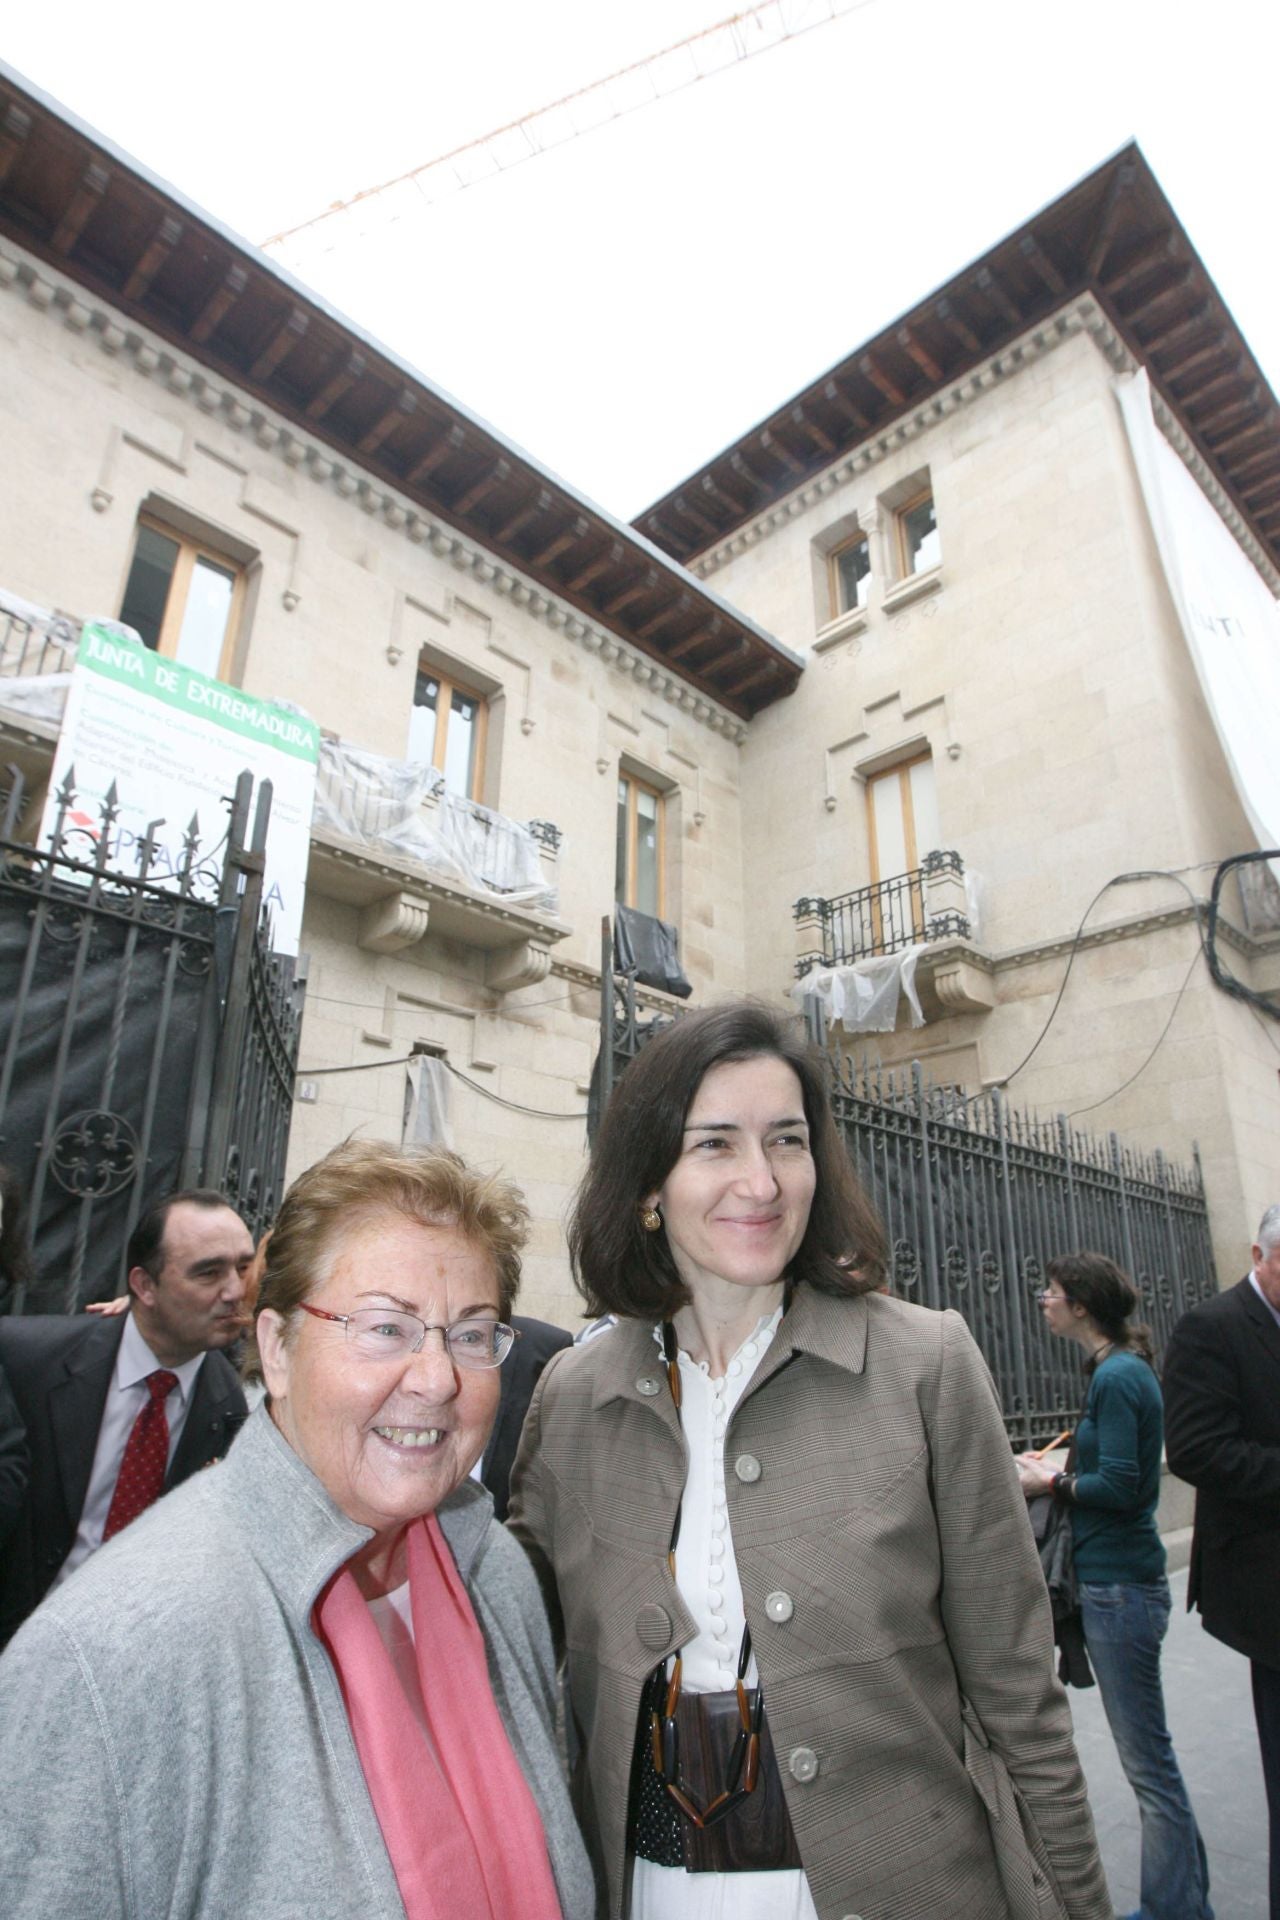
[(882, 918)]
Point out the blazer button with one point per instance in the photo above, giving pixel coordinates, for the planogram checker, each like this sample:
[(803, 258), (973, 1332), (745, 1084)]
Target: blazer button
[(653, 1626), (803, 1764), (747, 1467), (648, 1385), (779, 1606)]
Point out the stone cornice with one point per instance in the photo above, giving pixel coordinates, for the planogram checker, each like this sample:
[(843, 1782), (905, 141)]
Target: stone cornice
[(1083, 315), (66, 302)]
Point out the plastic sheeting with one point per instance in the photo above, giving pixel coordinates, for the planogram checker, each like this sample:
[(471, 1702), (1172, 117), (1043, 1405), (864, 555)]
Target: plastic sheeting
[(402, 809), (1228, 617), (426, 1106), (864, 998)]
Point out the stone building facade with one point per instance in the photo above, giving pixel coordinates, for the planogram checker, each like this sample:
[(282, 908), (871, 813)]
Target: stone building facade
[(783, 709)]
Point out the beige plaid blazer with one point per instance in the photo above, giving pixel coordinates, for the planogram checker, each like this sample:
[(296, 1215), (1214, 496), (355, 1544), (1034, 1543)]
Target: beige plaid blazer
[(870, 1483)]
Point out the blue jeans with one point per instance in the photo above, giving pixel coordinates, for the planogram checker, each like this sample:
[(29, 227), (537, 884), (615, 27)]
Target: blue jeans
[(1123, 1627)]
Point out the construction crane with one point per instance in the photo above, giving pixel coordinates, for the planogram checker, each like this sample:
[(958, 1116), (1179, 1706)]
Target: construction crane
[(700, 56)]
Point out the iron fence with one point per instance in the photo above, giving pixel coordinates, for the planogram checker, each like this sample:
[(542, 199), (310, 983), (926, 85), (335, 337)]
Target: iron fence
[(977, 1197), (147, 1034)]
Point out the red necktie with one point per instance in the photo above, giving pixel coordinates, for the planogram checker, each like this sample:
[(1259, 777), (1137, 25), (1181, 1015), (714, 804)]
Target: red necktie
[(146, 1455)]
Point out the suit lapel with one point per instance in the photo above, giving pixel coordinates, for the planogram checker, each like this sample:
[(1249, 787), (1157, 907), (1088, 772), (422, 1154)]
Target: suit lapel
[(211, 1424), (1259, 1317), (76, 1401)]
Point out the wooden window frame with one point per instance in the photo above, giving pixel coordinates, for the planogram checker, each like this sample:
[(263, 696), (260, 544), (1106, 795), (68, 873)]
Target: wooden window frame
[(905, 570), (634, 785), (449, 684), (858, 539), (189, 551), (902, 770)]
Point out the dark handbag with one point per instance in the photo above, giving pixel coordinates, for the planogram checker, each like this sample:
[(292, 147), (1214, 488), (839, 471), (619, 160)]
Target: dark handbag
[(755, 1837)]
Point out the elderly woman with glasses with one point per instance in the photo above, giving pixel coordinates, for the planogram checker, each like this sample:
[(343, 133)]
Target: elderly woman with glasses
[(319, 1679), (809, 1651)]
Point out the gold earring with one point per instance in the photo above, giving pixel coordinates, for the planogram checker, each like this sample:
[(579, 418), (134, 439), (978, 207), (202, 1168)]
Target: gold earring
[(650, 1219)]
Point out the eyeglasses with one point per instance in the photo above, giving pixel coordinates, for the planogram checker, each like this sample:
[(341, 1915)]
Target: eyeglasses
[(384, 1333), (1045, 1294)]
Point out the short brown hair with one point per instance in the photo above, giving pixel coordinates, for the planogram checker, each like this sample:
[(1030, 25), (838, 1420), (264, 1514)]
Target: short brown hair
[(363, 1180), (622, 1269)]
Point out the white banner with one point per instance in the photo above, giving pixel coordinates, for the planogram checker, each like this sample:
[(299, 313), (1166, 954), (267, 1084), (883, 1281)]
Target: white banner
[(1227, 613), (174, 743)]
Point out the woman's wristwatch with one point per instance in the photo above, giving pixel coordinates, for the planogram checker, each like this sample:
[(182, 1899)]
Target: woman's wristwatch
[(1063, 1486)]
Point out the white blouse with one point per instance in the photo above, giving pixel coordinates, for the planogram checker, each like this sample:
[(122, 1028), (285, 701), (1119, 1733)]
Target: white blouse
[(707, 1576)]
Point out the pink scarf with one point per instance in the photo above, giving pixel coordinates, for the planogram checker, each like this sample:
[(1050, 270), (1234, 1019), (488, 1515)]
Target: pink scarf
[(461, 1826)]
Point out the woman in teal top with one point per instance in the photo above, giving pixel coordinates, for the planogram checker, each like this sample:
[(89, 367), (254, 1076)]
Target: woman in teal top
[(1120, 1564)]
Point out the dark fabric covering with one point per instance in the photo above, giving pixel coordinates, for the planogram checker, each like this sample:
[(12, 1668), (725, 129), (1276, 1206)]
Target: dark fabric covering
[(650, 949)]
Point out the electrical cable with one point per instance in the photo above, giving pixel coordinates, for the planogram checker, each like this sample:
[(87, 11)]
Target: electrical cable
[(403, 1059), (1186, 982)]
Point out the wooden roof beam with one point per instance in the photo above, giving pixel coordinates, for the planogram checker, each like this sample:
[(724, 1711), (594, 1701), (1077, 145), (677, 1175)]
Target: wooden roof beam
[(161, 245), (716, 490), (1216, 391), (1196, 362), (740, 465), (283, 339), (775, 449), (1157, 250), (695, 514), (821, 440), (739, 650), (1036, 256), (836, 397), (404, 405), (883, 383), (1118, 190), (451, 441), (992, 289), (945, 311), (691, 642), (577, 529), (471, 496), (520, 519), (15, 125), (1228, 414), (1261, 492), (612, 554), (219, 304), (1137, 312), (662, 618), (736, 688), (349, 369), (81, 206), (1263, 457), (638, 589), (917, 351), (1186, 328), (1240, 439)]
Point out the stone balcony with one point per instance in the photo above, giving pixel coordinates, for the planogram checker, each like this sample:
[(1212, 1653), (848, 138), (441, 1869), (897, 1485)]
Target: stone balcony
[(927, 910)]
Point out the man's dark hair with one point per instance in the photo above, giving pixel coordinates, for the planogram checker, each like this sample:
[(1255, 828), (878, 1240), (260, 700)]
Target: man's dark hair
[(146, 1242), (619, 1268)]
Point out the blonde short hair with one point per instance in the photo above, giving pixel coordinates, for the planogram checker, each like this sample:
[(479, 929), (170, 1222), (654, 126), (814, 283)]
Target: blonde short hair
[(365, 1180)]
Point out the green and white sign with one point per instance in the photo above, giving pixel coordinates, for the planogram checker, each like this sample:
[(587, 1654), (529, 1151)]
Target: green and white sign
[(174, 742)]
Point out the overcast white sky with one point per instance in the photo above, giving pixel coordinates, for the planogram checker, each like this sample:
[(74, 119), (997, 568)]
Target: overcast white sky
[(627, 304)]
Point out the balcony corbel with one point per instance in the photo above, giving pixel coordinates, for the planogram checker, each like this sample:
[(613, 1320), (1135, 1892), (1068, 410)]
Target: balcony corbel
[(526, 964), (396, 921)]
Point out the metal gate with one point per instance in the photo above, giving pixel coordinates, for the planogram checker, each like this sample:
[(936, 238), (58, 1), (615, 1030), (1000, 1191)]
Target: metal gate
[(148, 1035)]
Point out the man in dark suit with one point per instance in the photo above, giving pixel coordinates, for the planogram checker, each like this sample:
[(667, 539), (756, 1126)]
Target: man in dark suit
[(519, 1376), (1222, 1434), (119, 1410)]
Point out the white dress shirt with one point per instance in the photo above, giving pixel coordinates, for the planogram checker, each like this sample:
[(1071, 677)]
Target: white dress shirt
[(126, 1397), (707, 1576), (1257, 1287)]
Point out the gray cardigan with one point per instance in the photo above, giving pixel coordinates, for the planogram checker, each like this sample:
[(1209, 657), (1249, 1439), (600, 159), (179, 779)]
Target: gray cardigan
[(176, 1740)]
